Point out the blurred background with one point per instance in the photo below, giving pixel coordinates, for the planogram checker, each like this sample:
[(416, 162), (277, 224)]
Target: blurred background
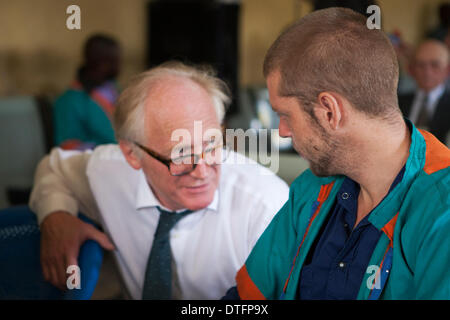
[(40, 58), (38, 54)]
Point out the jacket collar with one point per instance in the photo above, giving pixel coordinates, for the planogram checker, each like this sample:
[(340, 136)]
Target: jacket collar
[(390, 206)]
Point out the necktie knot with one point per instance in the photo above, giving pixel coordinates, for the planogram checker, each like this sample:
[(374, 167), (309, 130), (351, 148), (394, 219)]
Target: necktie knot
[(167, 220)]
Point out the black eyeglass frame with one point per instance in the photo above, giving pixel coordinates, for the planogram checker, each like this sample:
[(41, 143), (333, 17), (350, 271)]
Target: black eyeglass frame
[(168, 162)]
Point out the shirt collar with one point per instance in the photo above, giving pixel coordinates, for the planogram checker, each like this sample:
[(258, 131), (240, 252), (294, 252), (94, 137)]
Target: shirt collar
[(145, 198), (347, 196)]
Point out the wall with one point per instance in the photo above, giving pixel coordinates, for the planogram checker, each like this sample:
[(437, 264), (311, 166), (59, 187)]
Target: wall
[(38, 54), (263, 20)]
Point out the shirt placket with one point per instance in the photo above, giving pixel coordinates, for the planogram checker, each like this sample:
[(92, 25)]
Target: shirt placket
[(338, 274)]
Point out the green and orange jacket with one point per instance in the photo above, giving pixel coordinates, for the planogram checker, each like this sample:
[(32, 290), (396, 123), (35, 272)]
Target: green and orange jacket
[(410, 261)]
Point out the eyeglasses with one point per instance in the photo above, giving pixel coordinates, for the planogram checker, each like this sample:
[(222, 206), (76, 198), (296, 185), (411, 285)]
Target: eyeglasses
[(213, 155)]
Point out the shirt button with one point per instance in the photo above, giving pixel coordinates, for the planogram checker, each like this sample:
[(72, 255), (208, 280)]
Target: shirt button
[(341, 264), (345, 196), (346, 225)]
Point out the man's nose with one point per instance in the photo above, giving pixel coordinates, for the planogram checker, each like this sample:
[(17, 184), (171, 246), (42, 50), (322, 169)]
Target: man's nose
[(283, 130), (201, 170)]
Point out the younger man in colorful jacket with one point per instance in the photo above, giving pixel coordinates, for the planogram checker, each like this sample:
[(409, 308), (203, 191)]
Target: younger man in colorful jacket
[(371, 218)]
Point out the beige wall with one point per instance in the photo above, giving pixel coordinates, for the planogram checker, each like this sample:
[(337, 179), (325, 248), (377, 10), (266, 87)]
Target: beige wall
[(263, 20), (38, 54), (413, 18)]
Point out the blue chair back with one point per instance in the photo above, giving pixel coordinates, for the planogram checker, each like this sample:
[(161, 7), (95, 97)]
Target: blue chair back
[(20, 268)]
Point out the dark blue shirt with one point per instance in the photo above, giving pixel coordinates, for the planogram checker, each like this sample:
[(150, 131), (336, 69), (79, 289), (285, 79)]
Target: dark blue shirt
[(338, 259)]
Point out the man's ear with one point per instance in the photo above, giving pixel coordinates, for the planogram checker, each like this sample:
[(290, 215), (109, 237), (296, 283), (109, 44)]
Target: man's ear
[(329, 110), (129, 152)]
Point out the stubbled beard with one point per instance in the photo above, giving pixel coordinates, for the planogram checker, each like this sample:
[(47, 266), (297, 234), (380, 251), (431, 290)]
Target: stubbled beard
[(326, 157), (321, 168), (320, 161)]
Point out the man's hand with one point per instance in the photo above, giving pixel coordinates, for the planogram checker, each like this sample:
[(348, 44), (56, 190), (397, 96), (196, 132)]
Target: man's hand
[(62, 235)]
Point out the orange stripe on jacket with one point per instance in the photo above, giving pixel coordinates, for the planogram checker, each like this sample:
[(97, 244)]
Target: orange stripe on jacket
[(389, 227), (437, 156), (246, 288), (323, 196)]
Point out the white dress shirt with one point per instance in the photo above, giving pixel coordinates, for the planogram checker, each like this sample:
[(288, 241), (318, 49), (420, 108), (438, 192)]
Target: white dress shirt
[(433, 99), (208, 246)]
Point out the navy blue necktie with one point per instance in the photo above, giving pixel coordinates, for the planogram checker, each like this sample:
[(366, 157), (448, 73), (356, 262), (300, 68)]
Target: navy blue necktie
[(158, 274)]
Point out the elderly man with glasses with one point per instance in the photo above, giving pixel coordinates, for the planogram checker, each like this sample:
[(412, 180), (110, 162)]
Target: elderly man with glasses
[(181, 221)]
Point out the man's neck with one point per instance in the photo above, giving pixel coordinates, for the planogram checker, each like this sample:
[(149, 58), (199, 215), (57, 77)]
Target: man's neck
[(384, 153), (90, 79)]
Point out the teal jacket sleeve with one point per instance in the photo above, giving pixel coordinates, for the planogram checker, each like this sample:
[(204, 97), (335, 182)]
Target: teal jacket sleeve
[(266, 268), (432, 272)]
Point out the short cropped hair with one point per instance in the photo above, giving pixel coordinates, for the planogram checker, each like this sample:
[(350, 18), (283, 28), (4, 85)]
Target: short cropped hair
[(333, 50), (129, 114)]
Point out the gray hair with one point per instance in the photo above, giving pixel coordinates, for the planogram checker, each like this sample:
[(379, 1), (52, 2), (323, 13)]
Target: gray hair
[(129, 114)]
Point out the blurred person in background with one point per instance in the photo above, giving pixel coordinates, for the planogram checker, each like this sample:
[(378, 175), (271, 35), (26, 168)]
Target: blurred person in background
[(82, 114), (404, 52), (429, 106)]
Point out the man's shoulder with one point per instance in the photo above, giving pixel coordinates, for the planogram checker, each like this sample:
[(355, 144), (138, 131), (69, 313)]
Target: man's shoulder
[(443, 105), (248, 170), (250, 179), (108, 170), (428, 196), (108, 152), (425, 210), (71, 99), (107, 157), (437, 156), (69, 94), (431, 190)]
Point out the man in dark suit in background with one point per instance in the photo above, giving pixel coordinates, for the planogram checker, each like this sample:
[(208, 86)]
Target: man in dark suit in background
[(429, 106)]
